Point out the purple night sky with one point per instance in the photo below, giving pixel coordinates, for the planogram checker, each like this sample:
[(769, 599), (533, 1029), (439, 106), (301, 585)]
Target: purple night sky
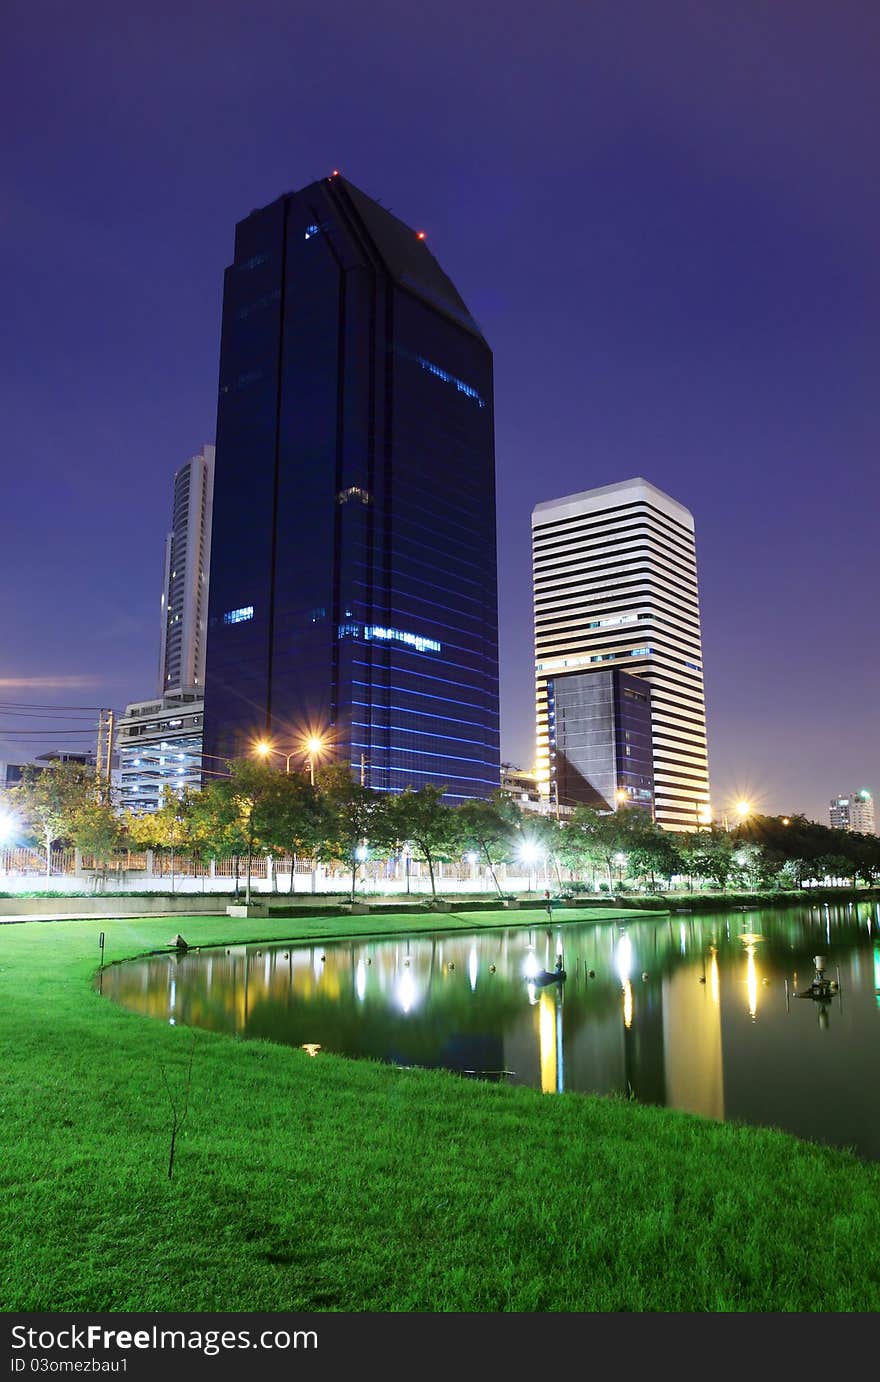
[(665, 217)]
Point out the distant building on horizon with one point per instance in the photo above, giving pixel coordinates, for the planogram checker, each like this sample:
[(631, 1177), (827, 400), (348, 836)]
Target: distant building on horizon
[(185, 579), (615, 589), (854, 811), (353, 565)]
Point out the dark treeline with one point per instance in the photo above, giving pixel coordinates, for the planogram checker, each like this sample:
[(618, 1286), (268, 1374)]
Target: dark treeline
[(259, 810)]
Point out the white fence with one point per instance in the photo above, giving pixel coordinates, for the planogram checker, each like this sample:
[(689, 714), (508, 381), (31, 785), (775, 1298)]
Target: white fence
[(24, 870)]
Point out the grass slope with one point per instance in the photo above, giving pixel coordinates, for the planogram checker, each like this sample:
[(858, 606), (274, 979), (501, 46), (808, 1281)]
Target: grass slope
[(328, 1184)]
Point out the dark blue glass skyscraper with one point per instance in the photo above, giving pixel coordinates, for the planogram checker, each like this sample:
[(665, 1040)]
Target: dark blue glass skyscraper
[(353, 566)]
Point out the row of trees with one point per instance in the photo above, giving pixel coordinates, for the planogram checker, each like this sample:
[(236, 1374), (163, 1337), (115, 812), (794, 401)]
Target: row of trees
[(258, 810)]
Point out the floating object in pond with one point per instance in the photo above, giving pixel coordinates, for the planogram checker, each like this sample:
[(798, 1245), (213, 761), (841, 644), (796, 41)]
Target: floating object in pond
[(369, 962), (644, 975), (822, 988), (491, 969), (592, 974), (452, 964), (406, 962), (323, 958), (180, 944), (547, 976)]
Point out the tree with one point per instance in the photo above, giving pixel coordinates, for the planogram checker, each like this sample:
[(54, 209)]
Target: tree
[(215, 824), (169, 828), (707, 854), (293, 818), (601, 836), (654, 852), (426, 821), (749, 866), (96, 828), (547, 835), (242, 802), (48, 800), (354, 817), (490, 827)]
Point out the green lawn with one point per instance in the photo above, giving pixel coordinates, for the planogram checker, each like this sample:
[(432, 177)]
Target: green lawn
[(328, 1184)]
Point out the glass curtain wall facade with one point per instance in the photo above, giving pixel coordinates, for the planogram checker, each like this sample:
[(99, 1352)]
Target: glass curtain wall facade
[(599, 733), (353, 575)]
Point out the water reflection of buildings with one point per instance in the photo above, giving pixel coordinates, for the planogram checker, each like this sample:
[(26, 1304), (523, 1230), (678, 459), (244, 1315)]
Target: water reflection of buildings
[(693, 1065), (646, 1026)]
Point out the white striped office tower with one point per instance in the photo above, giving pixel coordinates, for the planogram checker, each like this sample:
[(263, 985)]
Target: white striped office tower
[(615, 585)]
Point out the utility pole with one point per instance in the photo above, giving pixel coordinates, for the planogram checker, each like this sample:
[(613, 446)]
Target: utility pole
[(99, 748), (109, 744)]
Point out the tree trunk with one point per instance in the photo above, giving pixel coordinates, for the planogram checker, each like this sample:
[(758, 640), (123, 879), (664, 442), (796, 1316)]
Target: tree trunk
[(492, 870), (292, 868), (48, 855), (430, 864)]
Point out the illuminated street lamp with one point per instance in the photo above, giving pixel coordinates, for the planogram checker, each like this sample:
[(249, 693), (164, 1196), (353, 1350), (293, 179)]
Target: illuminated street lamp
[(621, 796), (312, 746), (529, 853), (743, 809)]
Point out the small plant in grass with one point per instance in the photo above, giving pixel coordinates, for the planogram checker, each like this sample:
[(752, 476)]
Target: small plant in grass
[(179, 1105)]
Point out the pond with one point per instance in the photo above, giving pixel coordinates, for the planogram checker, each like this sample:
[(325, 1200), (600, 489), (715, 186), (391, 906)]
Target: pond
[(706, 1013)]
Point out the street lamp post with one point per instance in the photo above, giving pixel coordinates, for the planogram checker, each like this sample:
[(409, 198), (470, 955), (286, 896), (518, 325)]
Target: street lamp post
[(313, 745), (530, 854)]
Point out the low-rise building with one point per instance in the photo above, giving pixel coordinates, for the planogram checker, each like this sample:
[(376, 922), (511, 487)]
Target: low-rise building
[(160, 750)]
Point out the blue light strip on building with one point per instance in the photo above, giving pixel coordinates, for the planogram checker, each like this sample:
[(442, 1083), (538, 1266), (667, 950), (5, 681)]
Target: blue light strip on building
[(430, 695), (371, 631), (425, 733), (467, 389), (422, 753), (238, 616)]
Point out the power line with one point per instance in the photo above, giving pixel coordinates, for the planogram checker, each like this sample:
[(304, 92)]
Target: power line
[(34, 705), (43, 734)]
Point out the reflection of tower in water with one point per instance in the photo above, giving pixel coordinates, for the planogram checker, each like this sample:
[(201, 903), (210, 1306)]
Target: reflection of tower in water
[(550, 1040), (642, 1016)]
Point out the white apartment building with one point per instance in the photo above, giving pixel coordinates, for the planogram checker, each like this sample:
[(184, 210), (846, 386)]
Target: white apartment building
[(854, 811), (185, 583), (615, 586)]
